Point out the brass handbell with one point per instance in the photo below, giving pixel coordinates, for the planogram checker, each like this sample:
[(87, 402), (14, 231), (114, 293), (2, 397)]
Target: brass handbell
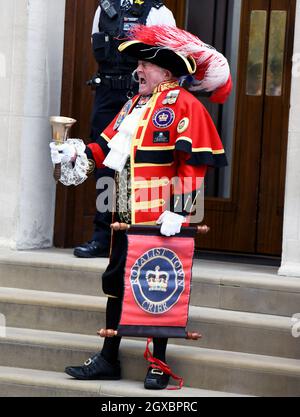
[(60, 130)]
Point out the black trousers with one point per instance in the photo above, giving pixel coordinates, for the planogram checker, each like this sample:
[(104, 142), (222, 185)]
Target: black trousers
[(107, 104)]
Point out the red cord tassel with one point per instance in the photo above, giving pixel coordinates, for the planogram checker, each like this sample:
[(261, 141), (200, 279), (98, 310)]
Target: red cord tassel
[(158, 364)]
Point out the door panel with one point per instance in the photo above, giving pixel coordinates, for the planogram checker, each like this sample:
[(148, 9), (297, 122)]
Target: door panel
[(72, 204), (275, 127), (250, 220), (233, 219)]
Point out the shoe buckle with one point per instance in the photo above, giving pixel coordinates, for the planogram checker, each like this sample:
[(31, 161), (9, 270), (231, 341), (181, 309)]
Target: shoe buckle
[(88, 362), (155, 371)]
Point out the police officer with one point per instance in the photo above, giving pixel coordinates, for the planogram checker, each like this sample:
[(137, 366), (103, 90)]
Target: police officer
[(114, 85)]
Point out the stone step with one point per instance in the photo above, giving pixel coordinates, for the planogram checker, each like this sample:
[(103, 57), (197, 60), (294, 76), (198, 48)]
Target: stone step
[(19, 382), (223, 285), (51, 270), (221, 329), (244, 332), (208, 369), (47, 310)]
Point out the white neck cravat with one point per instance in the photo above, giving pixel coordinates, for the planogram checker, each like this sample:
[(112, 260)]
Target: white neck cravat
[(120, 145)]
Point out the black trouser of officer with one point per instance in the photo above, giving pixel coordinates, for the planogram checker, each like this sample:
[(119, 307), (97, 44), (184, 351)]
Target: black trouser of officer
[(107, 104)]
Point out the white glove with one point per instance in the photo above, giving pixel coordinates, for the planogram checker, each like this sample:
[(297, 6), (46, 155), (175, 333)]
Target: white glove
[(170, 223), (62, 153)]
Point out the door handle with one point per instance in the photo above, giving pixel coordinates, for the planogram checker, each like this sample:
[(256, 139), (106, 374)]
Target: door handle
[(275, 65), (256, 52)]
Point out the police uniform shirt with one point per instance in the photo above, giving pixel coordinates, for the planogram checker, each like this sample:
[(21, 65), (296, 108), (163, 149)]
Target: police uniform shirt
[(162, 16)]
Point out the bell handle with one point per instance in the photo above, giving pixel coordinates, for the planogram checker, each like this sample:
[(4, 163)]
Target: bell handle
[(57, 172)]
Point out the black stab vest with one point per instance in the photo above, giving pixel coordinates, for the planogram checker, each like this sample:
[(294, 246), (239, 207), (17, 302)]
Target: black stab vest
[(112, 32)]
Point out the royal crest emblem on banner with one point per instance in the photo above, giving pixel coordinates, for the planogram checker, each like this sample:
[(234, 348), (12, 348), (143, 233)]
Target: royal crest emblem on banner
[(157, 283), (157, 280)]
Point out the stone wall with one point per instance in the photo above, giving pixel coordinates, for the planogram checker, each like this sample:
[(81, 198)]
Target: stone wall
[(291, 232), (31, 54)]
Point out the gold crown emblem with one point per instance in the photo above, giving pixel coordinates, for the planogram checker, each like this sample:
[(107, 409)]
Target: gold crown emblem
[(157, 281), (163, 117)]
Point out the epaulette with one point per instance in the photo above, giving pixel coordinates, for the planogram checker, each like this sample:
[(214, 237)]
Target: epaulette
[(158, 4)]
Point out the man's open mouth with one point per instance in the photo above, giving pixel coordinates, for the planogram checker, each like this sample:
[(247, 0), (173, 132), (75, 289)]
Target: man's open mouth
[(142, 81)]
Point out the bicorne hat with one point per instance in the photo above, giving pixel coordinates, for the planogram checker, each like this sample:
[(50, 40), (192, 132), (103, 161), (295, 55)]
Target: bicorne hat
[(175, 62), (184, 54)]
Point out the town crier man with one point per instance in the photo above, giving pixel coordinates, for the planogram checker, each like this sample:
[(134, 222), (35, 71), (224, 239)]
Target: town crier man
[(161, 134)]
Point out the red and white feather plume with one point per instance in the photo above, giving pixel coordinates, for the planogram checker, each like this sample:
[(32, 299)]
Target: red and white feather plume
[(213, 72)]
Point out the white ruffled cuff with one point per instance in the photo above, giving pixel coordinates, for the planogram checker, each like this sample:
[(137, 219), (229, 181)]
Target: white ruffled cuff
[(75, 173)]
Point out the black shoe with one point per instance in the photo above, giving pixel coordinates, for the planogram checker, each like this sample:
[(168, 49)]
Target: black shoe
[(156, 379), (92, 249), (95, 368)]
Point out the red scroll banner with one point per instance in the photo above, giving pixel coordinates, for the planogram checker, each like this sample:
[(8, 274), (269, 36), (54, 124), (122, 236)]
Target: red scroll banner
[(157, 283)]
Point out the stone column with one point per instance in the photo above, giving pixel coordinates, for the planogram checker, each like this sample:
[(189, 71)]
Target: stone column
[(31, 56), (291, 232)]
